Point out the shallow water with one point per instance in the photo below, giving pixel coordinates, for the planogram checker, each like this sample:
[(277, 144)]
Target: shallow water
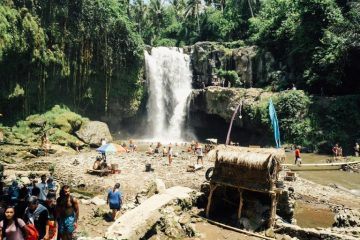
[(310, 216), (347, 180)]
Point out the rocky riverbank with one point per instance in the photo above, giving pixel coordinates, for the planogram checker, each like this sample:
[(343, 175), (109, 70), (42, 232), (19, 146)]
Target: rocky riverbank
[(138, 185)]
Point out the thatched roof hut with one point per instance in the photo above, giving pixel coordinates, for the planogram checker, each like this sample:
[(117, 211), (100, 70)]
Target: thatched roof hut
[(249, 168), (252, 173)]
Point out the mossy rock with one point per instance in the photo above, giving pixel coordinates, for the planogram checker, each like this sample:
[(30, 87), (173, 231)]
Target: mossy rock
[(57, 136)]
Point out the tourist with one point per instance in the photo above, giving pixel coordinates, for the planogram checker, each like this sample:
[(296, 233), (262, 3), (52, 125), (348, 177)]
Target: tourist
[(103, 154), (43, 188), (37, 215), (297, 155), (2, 207), (293, 87), (340, 151), (35, 192), (22, 203), (50, 204), (51, 184), (157, 148), (114, 199), (96, 165), (132, 146), (199, 153), (335, 150), (12, 228), (165, 152), (67, 208), (150, 150), (45, 143), (357, 149), (31, 186), (14, 192), (170, 154)]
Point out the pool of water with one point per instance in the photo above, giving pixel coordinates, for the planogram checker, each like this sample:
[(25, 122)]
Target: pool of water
[(310, 216), (347, 180)]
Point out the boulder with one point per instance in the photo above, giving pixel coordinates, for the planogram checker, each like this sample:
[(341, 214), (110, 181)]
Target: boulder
[(92, 132), (160, 185), (98, 201)]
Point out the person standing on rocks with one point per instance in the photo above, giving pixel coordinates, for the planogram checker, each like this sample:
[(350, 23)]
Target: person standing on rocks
[(114, 199), (297, 155), (67, 210), (199, 153), (170, 154), (357, 149)]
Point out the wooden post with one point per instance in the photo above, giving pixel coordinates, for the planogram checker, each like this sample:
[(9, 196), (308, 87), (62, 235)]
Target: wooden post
[(272, 210), (212, 189), (240, 204)]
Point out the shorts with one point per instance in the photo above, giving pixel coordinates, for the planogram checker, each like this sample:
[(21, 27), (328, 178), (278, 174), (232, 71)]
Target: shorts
[(67, 224), (115, 206)]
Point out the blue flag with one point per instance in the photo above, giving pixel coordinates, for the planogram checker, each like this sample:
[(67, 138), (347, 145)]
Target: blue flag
[(274, 123)]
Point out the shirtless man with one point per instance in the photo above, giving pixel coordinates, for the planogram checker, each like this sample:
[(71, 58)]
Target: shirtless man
[(67, 209)]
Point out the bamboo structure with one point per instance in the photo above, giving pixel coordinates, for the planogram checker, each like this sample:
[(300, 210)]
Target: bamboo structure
[(250, 171)]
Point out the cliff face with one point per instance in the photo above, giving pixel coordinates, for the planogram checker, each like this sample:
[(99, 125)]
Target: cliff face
[(212, 62), (315, 122), (211, 110)]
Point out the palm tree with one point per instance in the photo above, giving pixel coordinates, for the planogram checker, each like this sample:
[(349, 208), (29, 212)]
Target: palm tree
[(193, 10), (140, 14), (156, 10)]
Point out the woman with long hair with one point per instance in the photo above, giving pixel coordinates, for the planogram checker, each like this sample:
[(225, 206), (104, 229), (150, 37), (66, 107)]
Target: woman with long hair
[(12, 228)]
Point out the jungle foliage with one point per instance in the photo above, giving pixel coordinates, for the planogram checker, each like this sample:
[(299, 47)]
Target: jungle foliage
[(84, 53)]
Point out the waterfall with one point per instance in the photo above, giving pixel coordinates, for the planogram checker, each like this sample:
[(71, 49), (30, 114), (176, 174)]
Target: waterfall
[(169, 85)]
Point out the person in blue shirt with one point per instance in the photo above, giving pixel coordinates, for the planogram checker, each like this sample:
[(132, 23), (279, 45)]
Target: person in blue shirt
[(14, 192), (114, 199)]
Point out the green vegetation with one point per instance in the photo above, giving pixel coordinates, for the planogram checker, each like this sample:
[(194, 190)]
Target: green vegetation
[(78, 53), (59, 123)]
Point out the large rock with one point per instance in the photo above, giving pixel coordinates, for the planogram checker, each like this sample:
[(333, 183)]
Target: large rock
[(136, 223), (92, 132)]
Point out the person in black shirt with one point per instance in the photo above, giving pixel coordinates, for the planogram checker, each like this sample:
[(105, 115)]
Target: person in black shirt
[(22, 203), (38, 215)]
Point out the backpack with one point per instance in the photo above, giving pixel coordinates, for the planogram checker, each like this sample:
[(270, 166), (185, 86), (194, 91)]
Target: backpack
[(32, 234)]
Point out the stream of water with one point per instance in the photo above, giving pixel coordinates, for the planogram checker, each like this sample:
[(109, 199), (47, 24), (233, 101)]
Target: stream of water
[(347, 180)]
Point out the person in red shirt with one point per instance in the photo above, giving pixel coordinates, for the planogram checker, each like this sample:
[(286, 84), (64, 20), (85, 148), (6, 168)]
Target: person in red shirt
[(297, 155)]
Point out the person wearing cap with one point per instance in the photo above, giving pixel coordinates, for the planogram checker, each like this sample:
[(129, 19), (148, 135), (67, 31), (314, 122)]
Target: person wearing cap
[(38, 215)]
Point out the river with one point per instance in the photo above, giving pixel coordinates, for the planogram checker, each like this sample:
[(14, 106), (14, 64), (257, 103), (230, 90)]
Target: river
[(347, 180)]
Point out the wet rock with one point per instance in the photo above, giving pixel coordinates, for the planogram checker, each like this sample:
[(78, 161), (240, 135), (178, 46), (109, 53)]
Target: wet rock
[(92, 132), (347, 218)]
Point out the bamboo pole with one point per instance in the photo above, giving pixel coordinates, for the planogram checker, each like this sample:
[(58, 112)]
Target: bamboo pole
[(240, 204), (273, 210), (212, 189)]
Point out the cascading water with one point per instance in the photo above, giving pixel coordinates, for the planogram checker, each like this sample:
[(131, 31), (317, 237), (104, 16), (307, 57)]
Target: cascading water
[(169, 77)]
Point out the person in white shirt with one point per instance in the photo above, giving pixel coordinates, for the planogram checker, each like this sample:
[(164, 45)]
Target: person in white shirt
[(199, 153)]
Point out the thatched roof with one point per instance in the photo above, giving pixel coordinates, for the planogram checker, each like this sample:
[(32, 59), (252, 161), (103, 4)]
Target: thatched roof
[(257, 158)]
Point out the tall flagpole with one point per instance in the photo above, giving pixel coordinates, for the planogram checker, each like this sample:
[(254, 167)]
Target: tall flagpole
[(238, 108)]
